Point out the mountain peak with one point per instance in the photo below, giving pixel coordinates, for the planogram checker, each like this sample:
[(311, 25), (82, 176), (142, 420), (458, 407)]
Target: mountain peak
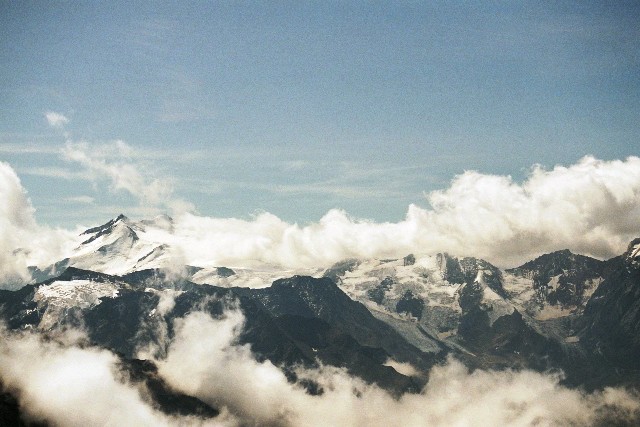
[(107, 225), (120, 222), (563, 258)]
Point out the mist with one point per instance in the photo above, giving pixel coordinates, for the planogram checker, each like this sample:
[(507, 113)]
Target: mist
[(67, 382)]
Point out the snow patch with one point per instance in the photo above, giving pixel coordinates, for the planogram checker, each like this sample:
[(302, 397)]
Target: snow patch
[(80, 293), (406, 369)]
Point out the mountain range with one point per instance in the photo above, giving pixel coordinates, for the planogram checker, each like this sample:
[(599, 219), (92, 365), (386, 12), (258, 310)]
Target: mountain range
[(387, 322)]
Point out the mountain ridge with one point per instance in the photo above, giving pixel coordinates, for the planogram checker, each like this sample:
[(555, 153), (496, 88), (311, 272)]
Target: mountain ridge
[(388, 321)]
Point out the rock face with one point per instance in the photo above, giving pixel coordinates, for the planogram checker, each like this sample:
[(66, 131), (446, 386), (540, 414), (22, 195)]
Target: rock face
[(612, 315), (562, 278), (411, 305), (559, 311)]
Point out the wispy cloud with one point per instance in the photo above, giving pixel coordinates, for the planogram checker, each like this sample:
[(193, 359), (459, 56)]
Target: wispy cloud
[(10, 148), (56, 120), (349, 180), (113, 163), (82, 200), (54, 172)]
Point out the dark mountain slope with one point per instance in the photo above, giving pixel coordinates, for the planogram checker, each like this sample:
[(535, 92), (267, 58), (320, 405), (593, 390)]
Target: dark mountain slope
[(612, 316)]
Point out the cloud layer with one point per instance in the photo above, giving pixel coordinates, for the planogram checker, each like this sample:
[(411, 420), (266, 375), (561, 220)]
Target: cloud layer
[(591, 208), (204, 360), (72, 385)]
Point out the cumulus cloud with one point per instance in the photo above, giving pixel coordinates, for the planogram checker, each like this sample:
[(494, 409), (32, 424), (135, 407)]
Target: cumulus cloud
[(56, 120), (22, 241), (591, 207), (205, 360), (16, 215), (72, 386)]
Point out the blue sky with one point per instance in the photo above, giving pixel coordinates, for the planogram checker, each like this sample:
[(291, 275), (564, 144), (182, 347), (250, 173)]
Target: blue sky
[(299, 107)]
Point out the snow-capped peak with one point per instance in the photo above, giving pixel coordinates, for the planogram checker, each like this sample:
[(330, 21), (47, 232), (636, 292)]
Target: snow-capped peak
[(121, 246), (105, 227)]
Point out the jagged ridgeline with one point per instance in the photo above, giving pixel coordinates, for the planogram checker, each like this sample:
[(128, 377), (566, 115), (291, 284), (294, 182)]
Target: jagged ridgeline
[(371, 317)]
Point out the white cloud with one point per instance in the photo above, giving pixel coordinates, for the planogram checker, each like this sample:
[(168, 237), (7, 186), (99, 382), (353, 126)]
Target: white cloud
[(16, 215), (56, 120), (591, 207), (204, 360), (16, 209), (22, 241), (114, 163), (73, 386)]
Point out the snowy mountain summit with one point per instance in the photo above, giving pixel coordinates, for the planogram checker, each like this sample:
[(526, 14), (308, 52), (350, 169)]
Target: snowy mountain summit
[(122, 246)]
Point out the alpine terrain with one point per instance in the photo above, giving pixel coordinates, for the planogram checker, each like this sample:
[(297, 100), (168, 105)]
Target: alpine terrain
[(386, 323)]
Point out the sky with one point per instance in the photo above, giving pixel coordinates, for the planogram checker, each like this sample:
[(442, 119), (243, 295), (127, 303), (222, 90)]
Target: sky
[(229, 109)]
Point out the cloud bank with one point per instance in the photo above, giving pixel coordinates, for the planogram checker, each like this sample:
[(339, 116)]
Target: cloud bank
[(205, 360), (591, 207), (67, 384), (22, 241)]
